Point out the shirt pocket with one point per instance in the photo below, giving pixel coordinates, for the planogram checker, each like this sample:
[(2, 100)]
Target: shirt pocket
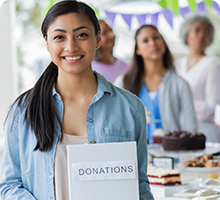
[(115, 135)]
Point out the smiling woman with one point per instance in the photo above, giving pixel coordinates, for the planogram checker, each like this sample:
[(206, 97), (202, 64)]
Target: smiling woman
[(70, 45), (69, 104)]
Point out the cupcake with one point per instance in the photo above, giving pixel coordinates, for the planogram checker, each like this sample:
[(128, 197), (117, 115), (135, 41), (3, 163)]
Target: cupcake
[(158, 136)]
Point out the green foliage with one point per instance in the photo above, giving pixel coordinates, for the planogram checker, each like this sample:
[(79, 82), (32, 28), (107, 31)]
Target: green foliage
[(28, 16), (44, 11)]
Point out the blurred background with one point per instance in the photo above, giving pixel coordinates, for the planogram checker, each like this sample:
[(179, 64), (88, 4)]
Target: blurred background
[(23, 54)]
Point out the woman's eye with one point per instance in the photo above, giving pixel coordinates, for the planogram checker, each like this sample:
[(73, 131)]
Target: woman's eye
[(104, 32), (58, 37), (197, 30), (156, 38), (82, 35), (207, 32), (146, 40)]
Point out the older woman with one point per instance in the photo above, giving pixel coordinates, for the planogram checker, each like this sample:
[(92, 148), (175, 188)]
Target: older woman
[(201, 71)]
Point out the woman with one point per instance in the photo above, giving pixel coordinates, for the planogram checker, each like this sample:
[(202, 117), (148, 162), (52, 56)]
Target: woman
[(202, 72), (152, 78), (69, 104), (105, 63)]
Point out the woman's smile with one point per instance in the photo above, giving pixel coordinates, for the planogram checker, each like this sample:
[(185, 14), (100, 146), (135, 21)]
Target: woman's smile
[(72, 59)]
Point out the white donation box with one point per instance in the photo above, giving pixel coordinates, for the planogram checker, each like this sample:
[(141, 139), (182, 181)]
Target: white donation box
[(105, 171)]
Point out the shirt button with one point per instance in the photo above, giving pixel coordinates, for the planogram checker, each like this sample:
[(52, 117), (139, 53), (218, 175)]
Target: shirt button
[(90, 120), (93, 142)]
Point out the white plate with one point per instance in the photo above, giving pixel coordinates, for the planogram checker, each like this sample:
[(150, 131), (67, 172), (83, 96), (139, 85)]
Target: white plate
[(208, 183), (195, 193), (198, 169)]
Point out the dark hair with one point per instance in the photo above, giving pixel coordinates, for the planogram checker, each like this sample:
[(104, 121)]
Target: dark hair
[(98, 53), (41, 112), (133, 78)]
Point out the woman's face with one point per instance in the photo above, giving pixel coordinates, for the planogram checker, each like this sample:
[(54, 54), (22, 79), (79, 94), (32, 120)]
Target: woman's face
[(199, 36), (107, 35), (150, 44), (71, 42)]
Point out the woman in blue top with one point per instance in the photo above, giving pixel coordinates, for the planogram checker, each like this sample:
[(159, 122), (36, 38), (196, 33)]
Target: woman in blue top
[(69, 101), (152, 78)]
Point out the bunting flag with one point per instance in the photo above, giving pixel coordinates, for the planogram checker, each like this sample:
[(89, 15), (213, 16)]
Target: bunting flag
[(154, 19), (127, 18), (111, 16), (208, 2), (192, 5), (168, 14), (184, 12), (201, 8), (142, 19), (216, 6)]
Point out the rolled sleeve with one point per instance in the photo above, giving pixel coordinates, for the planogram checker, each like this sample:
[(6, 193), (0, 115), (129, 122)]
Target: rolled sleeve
[(11, 185)]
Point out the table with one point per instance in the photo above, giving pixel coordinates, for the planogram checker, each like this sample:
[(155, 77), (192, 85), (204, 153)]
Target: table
[(192, 178)]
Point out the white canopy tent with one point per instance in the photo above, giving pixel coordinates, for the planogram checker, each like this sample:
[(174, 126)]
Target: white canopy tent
[(126, 17)]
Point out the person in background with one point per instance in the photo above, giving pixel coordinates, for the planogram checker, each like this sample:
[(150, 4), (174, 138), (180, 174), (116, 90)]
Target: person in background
[(105, 63), (216, 124), (69, 104), (201, 71), (152, 78)]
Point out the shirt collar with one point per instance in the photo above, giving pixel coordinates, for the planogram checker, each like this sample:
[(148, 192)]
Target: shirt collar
[(103, 86), (167, 75)]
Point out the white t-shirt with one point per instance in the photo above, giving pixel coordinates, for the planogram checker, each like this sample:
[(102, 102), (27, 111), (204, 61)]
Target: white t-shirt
[(204, 80), (61, 176)]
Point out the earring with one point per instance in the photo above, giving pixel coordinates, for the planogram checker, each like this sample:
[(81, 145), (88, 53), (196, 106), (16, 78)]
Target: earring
[(97, 47)]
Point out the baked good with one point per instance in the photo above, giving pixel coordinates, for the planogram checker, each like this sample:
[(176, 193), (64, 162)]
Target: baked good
[(158, 135), (193, 163), (160, 176), (183, 140), (206, 160), (214, 162)]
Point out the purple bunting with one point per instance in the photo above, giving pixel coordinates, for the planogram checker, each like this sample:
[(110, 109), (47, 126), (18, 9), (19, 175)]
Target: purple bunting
[(154, 19), (141, 19), (216, 6), (184, 11), (168, 16), (127, 18), (201, 7), (111, 16)]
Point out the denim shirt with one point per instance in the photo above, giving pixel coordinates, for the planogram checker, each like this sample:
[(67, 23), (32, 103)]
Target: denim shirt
[(114, 115)]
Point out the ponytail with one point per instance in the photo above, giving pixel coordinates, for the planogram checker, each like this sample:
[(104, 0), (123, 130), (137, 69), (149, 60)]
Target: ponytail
[(40, 111)]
